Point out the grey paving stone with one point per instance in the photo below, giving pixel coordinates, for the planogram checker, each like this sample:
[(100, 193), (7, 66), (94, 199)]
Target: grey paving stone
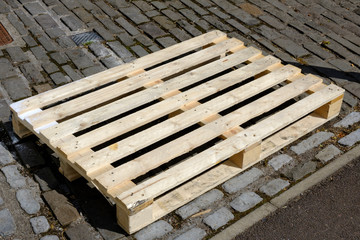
[(272, 21), (39, 224), (50, 237), (166, 41), (217, 23), (7, 223), (107, 9), (127, 26), (30, 41), (328, 153), (17, 88), (175, 16), (4, 8), (34, 8), (111, 61), (31, 73), (279, 161), (26, 20), (105, 34), (190, 14), (200, 203), (49, 67), (79, 58), (219, 218), (71, 4), (134, 14), (5, 156), (180, 34), (267, 32), (46, 21), (73, 74), (291, 47), (313, 141), (65, 42), (6, 69), (195, 7), (83, 15), (126, 39), (242, 180), (29, 155), (46, 179), (1, 201), (39, 52), (349, 120), (18, 25), (59, 78), (16, 54), (301, 170), (99, 49), (93, 70), (318, 50), (152, 29), (219, 13), (109, 24), (144, 6), (274, 186), (4, 111), (63, 210), (61, 10), (144, 40), (59, 57), (351, 139), (153, 231), (238, 26), (245, 201), (27, 201), (80, 231), (121, 51), (55, 32), (152, 13), (159, 5), (73, 23), (193, 234), (48, 44), (140, 51)]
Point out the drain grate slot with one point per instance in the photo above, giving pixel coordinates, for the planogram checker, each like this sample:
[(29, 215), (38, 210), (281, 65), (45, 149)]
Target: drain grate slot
[(5, 37), (83, 38)]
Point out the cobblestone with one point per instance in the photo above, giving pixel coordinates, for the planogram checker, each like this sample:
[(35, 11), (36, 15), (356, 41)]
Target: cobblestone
[(121, 51), (328, 153), (301, 170), (153, 231), (219, 218), (166, 41), (79, 58), (241, 181), (48, 44), (34, 8), (39, 52), (111, 61), (27, 201), (92, 70), (200, 203), (17, 88), (349, 120), (40, 224), (7, 223), (59, 78), (55, 32), (31, 73), (6, 69), (192, 234), (5, 156), (134, 14), (73, 23), (59, 57), (351, 139), (13, 176), (50, 237), (49, 67), (279, 161), (127, 26), (73, 74), (152, 29), (18, 25), (245, 201), (46, 22), (313, 141), (274, 186), (16, 54), (1, 201)]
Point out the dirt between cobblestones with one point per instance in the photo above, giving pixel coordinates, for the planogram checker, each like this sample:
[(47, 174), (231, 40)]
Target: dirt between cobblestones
[(330, 210)]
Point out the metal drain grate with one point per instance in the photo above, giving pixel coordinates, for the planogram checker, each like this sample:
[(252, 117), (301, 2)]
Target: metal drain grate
[(83, 38), (5, 37)]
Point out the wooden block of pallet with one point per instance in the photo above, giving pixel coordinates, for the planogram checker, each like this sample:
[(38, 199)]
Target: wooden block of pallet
[(156, 133)]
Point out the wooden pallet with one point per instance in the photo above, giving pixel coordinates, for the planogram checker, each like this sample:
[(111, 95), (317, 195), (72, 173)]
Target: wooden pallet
[(156, 133)]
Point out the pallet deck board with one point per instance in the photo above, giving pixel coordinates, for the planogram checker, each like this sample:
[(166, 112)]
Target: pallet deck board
[(153, 134)]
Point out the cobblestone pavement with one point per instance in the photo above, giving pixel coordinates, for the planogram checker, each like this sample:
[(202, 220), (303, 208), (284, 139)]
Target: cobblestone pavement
[(319, 36)]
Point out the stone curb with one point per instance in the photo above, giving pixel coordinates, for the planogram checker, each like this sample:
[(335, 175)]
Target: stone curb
[(278, 202)]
